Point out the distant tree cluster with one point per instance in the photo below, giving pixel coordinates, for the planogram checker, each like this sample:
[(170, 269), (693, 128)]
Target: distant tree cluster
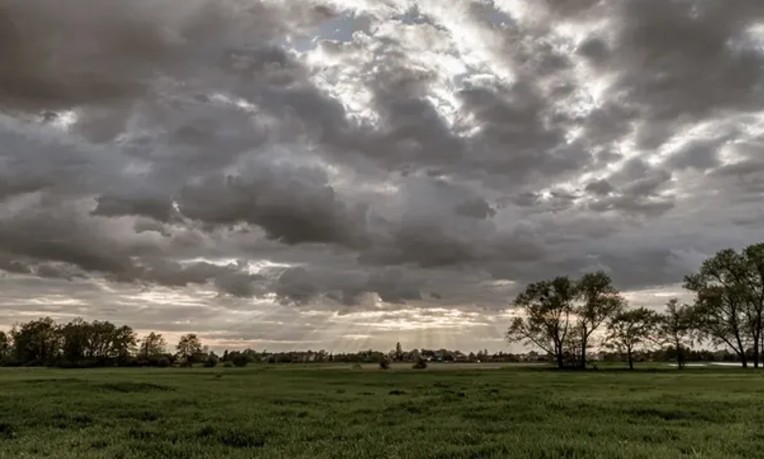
[(81, 344), (562, 316), (77, 343)]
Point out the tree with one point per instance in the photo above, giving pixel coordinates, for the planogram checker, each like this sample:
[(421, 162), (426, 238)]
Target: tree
[(75, 338), (676, 327), (239, 359), (188, 347), (720, 317), (754, 258), (152, 346), (5, 346), (211, 361), (599, 301), (629, 329), (99, 339), (729, 290), (123, 342), (107, 342), (398, 352), (546, 320), (36, 342)]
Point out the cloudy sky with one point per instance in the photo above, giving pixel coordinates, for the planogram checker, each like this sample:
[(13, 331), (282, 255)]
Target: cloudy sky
[(344, 174)]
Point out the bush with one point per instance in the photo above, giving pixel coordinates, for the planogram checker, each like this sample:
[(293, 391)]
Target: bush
[(240, 360), (357, 366), (228, 364), (384, 363), (420, 364), (211, 361)]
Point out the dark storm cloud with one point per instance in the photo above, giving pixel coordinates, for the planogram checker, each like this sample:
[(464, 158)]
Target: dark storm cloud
[(513, 136), (600, 187), (36, 158), (293, 204), (301, 285), (393, 285), (78, 246), (14, 266), (680, 61), (96, 52), (413, 132), (145, 225), (113, 206), (54, 231), (632, 205), (684, 49), (700, 155), (477, 208), (58, 271), (422, 159)]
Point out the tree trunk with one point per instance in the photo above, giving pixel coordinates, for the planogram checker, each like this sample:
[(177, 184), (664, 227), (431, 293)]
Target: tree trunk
[(741, 352), (559, 356), (756, 351), (631, 360), (679, 355), (583, 353)]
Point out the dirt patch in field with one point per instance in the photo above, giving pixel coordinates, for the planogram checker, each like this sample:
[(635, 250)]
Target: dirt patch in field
[(125, 387), (6, 431), (51, 380)]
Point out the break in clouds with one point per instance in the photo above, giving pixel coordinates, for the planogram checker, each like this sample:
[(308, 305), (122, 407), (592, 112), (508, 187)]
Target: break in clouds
[(331, 173)]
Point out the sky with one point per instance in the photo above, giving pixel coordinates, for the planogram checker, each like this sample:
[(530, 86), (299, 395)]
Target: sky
[(345, 174)]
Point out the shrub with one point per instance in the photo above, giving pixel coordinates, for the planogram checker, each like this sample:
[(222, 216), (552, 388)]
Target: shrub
[(211, 361), (228, 364), (420, 364), (240, 360), (357, 366), (384, 363)]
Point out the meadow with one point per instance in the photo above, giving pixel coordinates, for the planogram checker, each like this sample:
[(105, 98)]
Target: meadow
[(292, 411)]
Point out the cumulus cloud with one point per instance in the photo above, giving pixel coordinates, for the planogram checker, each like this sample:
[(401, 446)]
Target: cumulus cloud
[(294, 204), (353, 157)]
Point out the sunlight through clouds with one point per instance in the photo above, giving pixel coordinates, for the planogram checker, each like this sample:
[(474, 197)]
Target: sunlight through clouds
[(346, 174)]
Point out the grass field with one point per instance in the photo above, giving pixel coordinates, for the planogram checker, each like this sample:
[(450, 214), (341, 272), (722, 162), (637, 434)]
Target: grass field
[(321, 412)]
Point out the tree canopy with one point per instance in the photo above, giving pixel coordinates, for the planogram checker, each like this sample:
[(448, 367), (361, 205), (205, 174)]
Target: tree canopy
[(729, 305), (559, 316)]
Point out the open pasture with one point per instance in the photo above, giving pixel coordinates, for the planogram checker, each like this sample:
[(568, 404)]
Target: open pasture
[(321, 412)]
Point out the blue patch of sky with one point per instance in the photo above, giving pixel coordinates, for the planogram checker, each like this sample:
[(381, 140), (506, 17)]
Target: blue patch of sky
[(340, 28), (494, 16), (412, 16)]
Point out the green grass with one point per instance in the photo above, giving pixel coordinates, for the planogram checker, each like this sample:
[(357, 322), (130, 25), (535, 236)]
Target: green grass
[(321, 412)]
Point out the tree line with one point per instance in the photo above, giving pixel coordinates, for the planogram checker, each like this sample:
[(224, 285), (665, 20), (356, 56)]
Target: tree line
[(563, 316), (81, 344), (43, 342)]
